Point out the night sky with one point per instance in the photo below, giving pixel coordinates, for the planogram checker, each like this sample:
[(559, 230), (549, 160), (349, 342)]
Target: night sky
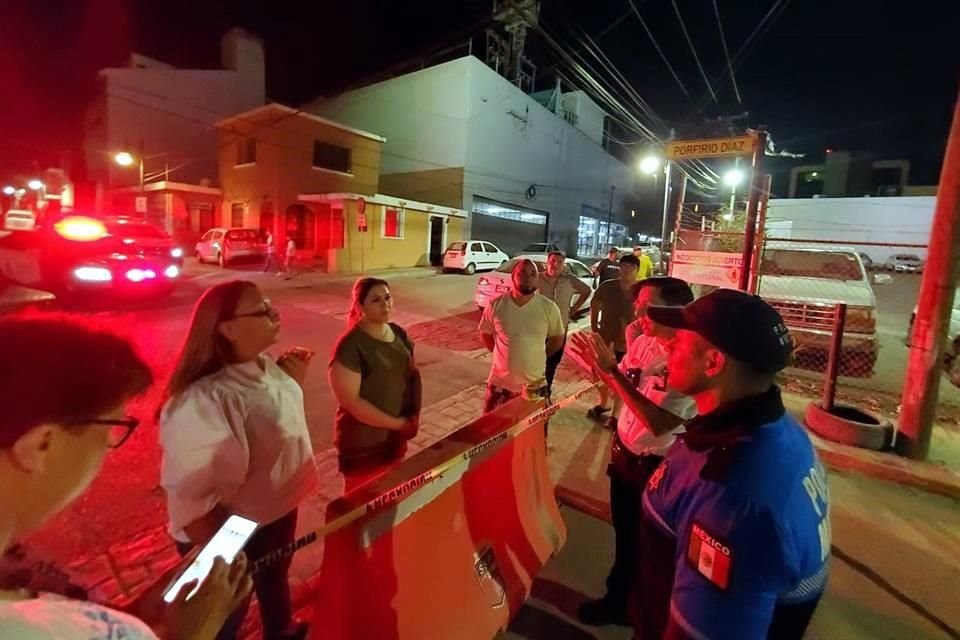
[(868, 75)]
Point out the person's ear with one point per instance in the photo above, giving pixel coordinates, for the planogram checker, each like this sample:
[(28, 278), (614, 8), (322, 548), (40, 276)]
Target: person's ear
[(716, 362), (29, 453), (228, 330)]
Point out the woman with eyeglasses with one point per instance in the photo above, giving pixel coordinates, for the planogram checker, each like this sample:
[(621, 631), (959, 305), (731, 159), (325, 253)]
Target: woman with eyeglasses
[(235, 441), (374, 376), (64, 385)]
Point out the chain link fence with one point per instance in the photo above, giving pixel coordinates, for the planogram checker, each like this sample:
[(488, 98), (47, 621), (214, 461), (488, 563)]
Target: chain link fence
[(805, 280)]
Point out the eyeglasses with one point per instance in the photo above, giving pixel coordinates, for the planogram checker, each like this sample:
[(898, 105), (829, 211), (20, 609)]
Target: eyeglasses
[(268, 311), (120, 429)]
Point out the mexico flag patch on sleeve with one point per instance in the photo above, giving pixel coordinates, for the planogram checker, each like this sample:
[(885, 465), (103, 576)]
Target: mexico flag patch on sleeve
[(709, 557)]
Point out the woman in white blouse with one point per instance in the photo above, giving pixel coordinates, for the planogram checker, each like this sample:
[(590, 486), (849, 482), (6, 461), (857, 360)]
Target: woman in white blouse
[(234, 437)]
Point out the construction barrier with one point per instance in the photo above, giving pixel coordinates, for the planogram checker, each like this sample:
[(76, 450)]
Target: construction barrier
[(447, 543)]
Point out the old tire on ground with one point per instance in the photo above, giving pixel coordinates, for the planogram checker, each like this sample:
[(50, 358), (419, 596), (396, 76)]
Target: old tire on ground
[(850, 425), (471, 269)]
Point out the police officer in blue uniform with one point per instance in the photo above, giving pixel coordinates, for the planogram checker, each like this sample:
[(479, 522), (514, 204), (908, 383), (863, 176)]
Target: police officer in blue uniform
[(735, 528)]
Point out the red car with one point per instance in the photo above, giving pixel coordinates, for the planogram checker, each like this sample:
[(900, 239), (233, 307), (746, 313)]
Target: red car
[(77, 253)]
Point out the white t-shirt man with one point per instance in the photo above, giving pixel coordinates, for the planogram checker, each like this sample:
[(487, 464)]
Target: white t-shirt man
[(520, 335), (54, 618), (647, 354)]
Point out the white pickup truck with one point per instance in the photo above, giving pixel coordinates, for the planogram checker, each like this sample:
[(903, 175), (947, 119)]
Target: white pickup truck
[(805, 282)]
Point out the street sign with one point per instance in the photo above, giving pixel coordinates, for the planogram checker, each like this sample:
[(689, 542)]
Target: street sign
[(707, 267), (141, 204), (710, 148)]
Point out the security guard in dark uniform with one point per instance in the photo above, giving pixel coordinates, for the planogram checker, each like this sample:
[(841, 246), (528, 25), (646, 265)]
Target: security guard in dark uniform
[(736, 521)]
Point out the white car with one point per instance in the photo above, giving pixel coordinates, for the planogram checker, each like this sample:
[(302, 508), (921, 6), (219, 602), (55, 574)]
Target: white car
[(951, 352), (224, 245), (471, 256), (495, 284), (904, 263)]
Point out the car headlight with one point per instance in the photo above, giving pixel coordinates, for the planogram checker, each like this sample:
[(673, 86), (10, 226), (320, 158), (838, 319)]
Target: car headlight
[(93, 274), (861, 319), (176, 252)]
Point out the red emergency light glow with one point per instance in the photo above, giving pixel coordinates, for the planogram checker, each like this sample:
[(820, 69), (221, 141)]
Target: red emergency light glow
[(93, 274), (139, 275), (81, 229)]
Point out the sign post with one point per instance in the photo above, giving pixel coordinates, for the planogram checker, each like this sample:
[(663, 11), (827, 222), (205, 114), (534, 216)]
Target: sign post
[(753, 207), (711, 148)]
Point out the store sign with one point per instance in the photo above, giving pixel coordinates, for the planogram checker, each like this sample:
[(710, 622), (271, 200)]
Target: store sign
[(141, 204), (710, 148), (714, 268)]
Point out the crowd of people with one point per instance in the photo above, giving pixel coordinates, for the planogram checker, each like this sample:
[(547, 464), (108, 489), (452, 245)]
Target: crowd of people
[(719, 505)]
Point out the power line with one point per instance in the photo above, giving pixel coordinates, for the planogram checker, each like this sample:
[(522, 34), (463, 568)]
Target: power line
[(726, 52), (656, 46), (693, 49)]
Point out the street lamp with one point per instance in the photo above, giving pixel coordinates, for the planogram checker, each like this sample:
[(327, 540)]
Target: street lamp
[(124, 159), (733, 178), (35, 185), (9, 191), (649, 165)]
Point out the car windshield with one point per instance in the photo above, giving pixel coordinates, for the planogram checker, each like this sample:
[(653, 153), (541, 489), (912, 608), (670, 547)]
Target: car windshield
[(909, 258), (828, 265), (242, 234), (134, 230), (457, 246), (507, 267), (535, 248)]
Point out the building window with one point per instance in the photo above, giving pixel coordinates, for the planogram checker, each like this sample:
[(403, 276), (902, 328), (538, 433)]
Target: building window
[(331, 157), (246, 151), (236, 214), (392, 223)]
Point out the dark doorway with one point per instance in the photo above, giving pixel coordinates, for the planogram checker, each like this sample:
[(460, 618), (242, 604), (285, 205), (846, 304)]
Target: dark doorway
[(301, 226), (436, 240)]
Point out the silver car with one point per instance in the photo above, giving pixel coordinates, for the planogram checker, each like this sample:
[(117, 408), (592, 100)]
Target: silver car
[(225, 245), (904, 263)]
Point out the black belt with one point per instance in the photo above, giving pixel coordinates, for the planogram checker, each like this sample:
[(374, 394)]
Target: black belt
[(620, 452)]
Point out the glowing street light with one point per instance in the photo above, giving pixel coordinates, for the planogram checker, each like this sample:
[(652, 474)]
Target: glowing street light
[(733, 178), (9, 191), (124, 159), (649, 165), (35, 185)]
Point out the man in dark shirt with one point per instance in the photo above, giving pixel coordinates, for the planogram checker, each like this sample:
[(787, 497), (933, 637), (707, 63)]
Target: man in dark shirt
[(608, 268), (611, 310)]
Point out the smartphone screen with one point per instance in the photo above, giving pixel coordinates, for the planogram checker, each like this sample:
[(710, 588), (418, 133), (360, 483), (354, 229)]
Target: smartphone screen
[(227, 543)]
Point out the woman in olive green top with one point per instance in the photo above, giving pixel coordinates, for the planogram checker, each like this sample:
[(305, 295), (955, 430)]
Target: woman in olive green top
[(375, 379)]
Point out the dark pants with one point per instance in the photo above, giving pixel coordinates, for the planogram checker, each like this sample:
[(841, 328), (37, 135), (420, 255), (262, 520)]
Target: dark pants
[(271, 263), (553, 361), (270, 583), (628, 477)]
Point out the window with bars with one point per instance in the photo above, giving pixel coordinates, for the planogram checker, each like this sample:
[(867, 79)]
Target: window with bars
[(392, 223), (331, 157), (236, 214), (246, 151)]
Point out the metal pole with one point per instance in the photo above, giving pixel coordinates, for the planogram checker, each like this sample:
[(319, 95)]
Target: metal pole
[(833, 362), (664, 243), (753, 204), (924, 363), (761, 233), (147, 208), (613, 188)]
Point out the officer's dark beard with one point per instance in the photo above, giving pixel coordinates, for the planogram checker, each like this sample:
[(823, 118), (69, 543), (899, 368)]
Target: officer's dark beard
[(526, 289)]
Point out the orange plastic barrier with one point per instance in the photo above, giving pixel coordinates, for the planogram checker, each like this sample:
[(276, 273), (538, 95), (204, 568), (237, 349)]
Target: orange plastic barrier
[(443, 557)]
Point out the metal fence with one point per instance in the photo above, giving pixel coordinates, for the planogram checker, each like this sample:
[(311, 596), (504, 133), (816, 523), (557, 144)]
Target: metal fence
[(806, 279)]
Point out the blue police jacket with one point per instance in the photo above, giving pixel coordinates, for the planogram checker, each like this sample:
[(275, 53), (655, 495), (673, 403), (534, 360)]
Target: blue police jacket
[(736, 529)]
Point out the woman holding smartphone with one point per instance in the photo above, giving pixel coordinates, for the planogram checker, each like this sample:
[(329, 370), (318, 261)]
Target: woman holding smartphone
[(374, 376), (64, 385), (235, 441)]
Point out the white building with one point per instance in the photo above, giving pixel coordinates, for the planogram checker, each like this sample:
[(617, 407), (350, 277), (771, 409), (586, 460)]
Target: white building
[(460, 135), (170, 112)]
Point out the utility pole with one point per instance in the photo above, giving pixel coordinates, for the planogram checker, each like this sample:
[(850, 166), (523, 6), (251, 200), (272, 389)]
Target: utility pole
[(664, 242), (613, 190), (924, 363), (761, 233), (753, 206)]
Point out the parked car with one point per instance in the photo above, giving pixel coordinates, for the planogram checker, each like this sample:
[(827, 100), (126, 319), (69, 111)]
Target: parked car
[(805, 283), (223, 246), (82, 253), (904, 263), (951, 353), (866, 260), (471, 256), (539, 249), (19, 220), (497, 283)]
